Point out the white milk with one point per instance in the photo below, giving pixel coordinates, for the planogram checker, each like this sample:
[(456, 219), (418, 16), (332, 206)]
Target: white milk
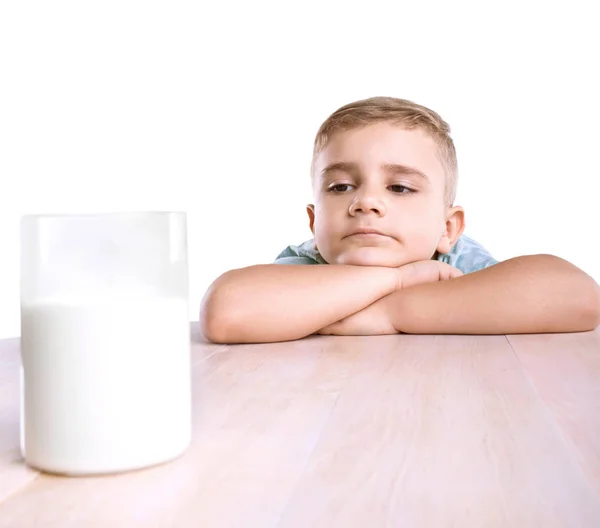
[(106, 383)]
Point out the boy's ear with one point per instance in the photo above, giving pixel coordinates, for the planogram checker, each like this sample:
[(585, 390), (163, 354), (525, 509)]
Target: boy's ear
[(454, 227), (310, 209)]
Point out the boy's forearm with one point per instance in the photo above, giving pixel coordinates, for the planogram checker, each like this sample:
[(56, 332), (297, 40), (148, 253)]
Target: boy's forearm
[(274, 302), (530, 294)]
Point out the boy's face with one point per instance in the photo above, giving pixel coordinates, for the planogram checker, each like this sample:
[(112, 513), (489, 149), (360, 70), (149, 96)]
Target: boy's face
[(388, 180)]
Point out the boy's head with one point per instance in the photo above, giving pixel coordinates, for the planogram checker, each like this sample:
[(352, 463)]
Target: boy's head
[(389, 166)]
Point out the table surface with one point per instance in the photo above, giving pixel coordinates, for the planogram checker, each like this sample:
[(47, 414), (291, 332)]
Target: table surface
[(411, 431)]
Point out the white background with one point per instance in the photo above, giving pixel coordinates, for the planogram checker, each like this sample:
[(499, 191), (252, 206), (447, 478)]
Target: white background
[(211, 108)]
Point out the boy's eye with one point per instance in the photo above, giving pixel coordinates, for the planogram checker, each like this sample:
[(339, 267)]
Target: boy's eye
[(401, 189), (345, 187), (340, 187)]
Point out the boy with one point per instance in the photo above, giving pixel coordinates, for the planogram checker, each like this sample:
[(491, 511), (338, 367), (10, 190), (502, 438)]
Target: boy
[(388, 249)]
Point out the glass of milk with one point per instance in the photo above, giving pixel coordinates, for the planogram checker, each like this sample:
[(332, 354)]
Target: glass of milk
[(105, 341)]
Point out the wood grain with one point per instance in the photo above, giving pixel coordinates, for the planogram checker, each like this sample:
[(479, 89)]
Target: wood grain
[(565, 370), (258, 413), (441, 432), (423, 431)]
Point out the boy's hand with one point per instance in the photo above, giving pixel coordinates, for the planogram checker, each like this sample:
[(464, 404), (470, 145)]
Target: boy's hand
[(375, 319), (372, 320), (426, 271)]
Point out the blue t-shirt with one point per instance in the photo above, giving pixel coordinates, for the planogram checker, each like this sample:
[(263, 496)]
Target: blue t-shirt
[(466, 255)]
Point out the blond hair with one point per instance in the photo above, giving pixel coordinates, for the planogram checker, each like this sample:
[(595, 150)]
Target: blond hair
[(404, 113)]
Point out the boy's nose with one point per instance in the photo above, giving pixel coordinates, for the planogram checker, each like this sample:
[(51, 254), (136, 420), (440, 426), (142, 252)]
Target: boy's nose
[(367, 204)]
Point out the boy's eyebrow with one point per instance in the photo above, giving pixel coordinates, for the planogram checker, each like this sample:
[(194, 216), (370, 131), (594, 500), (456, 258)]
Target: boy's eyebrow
[(392, 168), (343, 166), (396, 168)]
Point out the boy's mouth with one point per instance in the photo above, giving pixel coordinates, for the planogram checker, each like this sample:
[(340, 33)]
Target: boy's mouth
[(366, 231)]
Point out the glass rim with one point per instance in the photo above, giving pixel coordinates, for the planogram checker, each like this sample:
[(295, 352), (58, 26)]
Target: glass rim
[(40, 216)]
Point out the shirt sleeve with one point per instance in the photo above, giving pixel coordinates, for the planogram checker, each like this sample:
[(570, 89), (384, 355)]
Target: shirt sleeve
[(294, 260), (302, 254), (468, 256)]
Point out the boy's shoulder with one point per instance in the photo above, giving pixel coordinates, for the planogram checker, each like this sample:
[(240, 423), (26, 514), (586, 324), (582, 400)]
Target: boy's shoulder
[(467, 255), (305, 253)]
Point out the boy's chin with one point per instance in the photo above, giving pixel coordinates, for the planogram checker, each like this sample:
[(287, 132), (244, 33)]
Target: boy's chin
[(372, 256)]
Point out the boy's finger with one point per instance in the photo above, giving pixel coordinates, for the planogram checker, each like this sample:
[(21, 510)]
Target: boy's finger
[(456, 273)]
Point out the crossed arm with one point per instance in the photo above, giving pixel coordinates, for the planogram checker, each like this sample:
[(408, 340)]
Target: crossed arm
[(529, 294)]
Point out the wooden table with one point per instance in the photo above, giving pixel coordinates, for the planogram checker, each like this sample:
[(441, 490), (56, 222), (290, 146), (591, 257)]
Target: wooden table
[(410, 431)]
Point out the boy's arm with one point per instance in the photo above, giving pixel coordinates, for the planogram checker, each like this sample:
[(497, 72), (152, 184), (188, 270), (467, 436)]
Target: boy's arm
[(274, 302), (529, 294)]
